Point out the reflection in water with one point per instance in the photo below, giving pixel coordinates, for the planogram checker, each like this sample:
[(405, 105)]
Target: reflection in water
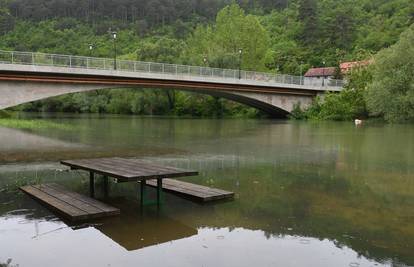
[(210, 247), (133, 230), (306, 195)]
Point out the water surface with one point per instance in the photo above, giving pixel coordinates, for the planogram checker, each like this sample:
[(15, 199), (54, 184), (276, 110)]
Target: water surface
[(307, 194)]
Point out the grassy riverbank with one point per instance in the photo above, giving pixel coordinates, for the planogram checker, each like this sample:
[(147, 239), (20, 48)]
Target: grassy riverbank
[(32, 124)]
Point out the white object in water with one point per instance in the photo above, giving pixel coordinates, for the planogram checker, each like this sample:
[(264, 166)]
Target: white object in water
[(358, 122)]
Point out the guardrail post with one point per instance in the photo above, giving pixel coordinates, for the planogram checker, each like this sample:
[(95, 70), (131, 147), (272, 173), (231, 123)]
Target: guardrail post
[(33, 59), (70, 61), (12, 57)]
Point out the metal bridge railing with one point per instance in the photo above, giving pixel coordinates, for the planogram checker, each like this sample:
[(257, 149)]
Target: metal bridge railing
[(69, 61)]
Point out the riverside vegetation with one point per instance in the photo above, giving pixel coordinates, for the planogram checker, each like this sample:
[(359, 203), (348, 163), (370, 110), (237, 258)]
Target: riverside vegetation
[(277, 36)]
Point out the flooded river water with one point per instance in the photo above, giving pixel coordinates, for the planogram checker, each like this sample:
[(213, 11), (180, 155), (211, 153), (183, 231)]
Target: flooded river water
[(306, 194)]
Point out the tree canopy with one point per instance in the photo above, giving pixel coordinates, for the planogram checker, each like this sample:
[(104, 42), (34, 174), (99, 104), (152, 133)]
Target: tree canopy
[(391, 94)]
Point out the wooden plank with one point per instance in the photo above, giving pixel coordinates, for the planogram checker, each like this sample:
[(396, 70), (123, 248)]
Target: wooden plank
[(126, 170), (93, 202), (71, 205), (198, 192), (204, 196), (61, 207), (196, 189), (62, 196)]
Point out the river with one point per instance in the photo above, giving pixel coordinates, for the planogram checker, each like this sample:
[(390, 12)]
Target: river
[(306, 193)]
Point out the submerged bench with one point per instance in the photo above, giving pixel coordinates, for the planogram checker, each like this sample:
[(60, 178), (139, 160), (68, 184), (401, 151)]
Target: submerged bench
[(198, 192), (71, 205)]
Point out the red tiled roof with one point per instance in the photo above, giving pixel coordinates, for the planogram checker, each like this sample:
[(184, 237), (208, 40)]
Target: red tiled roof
[(314, 72), (347, 66)]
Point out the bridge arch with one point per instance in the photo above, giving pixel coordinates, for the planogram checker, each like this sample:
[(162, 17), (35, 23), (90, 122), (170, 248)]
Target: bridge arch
[(15, 93)]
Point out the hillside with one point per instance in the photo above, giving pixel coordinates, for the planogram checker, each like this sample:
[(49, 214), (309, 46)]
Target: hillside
[(278, 36)]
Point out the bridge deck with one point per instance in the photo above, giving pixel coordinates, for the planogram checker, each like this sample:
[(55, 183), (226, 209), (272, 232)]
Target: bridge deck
[(71, 205)]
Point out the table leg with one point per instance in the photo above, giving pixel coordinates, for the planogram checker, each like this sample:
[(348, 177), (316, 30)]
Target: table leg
[(105, 185), (159, 191), (143, 184), (91, 184)]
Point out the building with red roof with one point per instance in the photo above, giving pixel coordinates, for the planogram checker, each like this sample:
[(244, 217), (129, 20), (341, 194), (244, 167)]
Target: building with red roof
[(320, 72), (319, 76), (348, 66)]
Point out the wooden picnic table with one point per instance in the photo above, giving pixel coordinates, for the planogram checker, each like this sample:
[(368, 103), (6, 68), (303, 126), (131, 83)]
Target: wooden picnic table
[(127, 170)]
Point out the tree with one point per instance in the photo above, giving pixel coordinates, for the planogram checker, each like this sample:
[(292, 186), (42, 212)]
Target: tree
[(338, 23), (391, 94), (7, 21), (308, 16), (233, 31)]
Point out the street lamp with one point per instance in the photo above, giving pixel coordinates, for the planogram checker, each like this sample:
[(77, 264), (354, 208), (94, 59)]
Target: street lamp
[(114, 35), (240, 61), (323, 73), (205, 66), (90, 49)]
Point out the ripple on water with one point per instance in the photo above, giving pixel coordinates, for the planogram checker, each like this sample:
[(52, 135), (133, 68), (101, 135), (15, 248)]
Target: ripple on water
[(19, 212)]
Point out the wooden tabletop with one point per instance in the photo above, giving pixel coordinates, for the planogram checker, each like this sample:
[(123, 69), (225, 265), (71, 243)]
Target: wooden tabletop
[(127, 170)]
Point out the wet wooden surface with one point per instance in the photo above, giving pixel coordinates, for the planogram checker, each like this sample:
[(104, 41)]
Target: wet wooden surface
[(127, 170), (198, 192), (71, 205)]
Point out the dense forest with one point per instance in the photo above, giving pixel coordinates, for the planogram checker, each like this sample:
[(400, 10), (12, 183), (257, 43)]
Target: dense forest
[(285, 36)]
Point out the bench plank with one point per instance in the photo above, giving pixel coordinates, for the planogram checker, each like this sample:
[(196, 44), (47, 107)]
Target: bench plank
[(197, 192), (69, 204)]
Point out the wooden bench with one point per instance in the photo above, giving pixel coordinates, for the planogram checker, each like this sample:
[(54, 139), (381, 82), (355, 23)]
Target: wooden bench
[(198, 192), (71, 205)]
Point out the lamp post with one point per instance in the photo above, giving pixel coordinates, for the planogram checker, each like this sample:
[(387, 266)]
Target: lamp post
[(114, 35), (240, 61), (203, 69), (90, 50), (323, 73)]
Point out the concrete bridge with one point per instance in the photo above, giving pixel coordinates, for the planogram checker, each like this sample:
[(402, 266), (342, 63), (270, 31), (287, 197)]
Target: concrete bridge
[(26, 77)]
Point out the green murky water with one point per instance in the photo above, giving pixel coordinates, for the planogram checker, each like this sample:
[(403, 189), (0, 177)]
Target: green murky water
[(307, 194)]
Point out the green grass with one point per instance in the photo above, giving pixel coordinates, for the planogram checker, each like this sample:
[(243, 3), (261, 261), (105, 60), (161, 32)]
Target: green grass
[(4, 114), (32, 124)]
